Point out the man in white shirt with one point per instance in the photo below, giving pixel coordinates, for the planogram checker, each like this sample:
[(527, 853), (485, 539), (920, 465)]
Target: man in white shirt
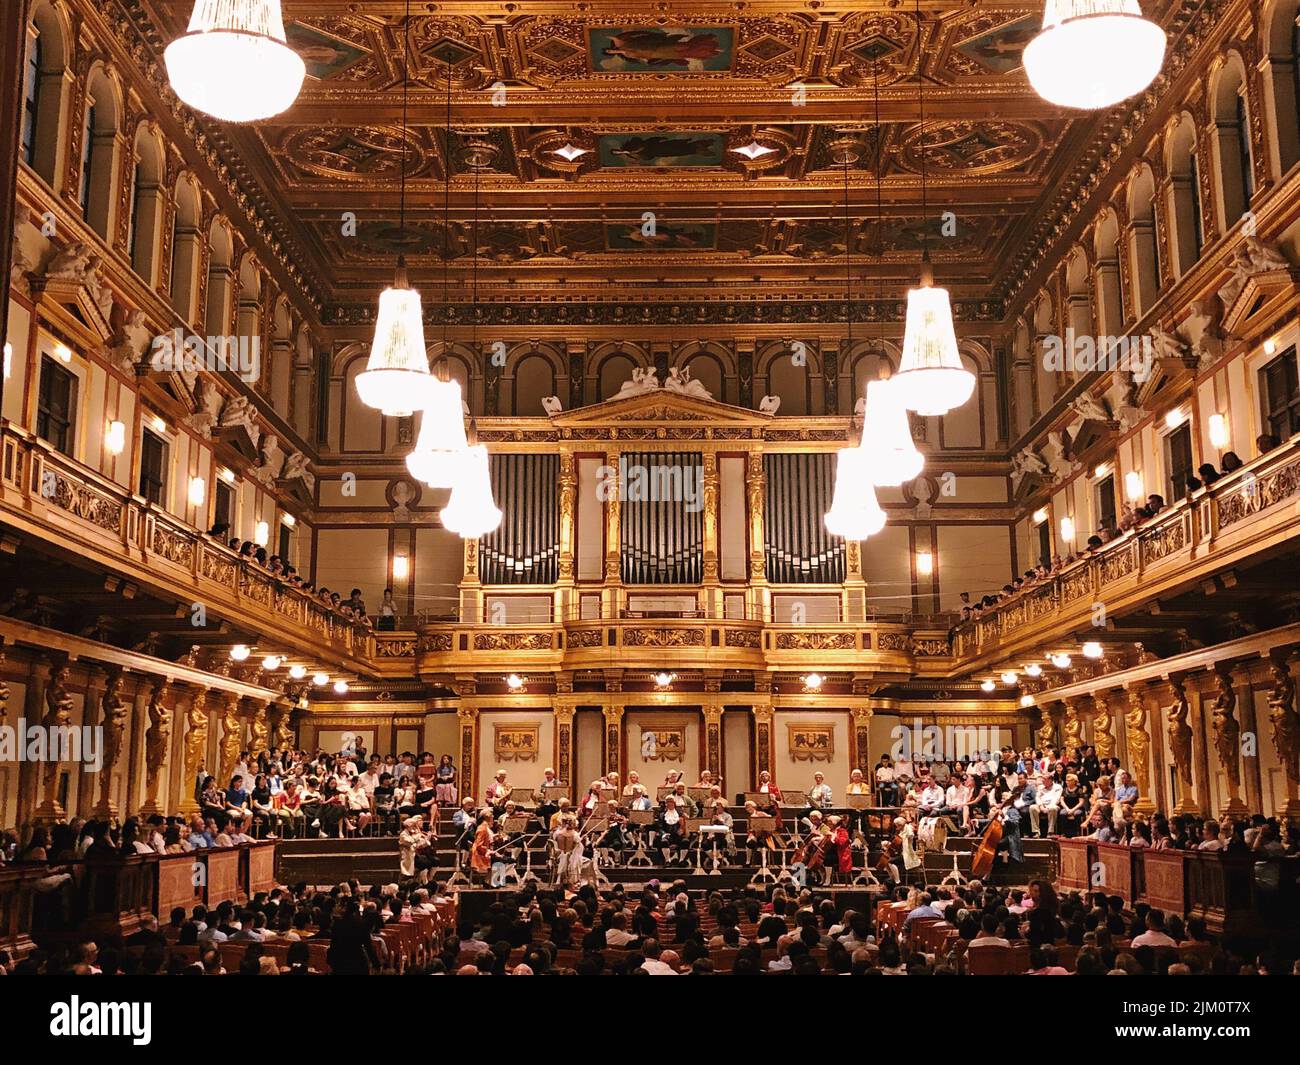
[(1211, 842), (655, 959), (931, 798), (1047, 801), (617, 934), (369, 780), (1155, 935)]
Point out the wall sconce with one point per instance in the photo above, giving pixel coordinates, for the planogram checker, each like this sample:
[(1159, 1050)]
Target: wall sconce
[(1133, 486), (1175, 418), (1092, 649), (227, 475), (239, 652), (297, 672), (813, 682), (271, 663), (63, 352), (987, 685), (341, 687), (114, 437), (288, 520), (1009, 677), (401, 567), (9, 360), (924, 563), (515, 682), (1067, 529), (1033, 670), (320, 679), (1040, 516), (1061, 661), (1219, 430), (198, 491), (158, 424), (1026, 700), (261, 534)]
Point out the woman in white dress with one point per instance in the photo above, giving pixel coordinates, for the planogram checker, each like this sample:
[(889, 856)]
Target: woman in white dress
[(409, 842), (568, 852)]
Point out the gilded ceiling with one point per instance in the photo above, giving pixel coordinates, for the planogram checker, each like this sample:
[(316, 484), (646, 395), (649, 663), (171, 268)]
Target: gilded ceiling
[(570, 124)]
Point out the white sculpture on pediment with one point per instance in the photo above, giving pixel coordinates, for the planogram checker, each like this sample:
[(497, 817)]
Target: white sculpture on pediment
[(133, 340), (77, 263), (769, 404), (1090, 408), (271, 461), (682, 382), (1123, 399), (643, 381), (1253, 256), (1168, 345), (238, 412), (1059, 463), (1025, 464), (296, 468), (1206, 336), (210, 400), (551, 406), (21, 264)]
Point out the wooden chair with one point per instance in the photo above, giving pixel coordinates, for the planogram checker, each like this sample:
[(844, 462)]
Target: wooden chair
[(997, 961)]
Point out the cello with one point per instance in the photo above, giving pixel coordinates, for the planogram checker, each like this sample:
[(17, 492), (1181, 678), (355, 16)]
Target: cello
[(981, 862)]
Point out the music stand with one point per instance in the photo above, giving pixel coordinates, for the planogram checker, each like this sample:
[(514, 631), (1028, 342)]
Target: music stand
[(555, 792), (700, 795), (858, 802), (663, 791), (794, 799), (758, 798), (515, 825)]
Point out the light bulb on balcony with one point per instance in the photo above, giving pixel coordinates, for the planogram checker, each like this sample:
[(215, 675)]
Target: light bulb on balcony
[(1218, 431), (233, 62), (855, 513), (297, 672), (664, 680), (227, 475), (341, 687), (470, 512), (439, 454), (924, 563), (1067, 530), (813, 682), (1033, 670), (9, 359), (271, 663), (514, 682), (320, 679), (1039, 516), (1092, 649), (1009, 677), (1175, 418), (401, 567), (1061, 661), (1133, 486), (198, 491), (931, 379), (239, 652), (987, 685), (261, 534), (1093, 53), (115, 438), (891, 455), (288, 520), (1026, 700)]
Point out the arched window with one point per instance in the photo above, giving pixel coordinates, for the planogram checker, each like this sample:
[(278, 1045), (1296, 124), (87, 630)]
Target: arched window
[(146, 206), (186, 251), (216, 317), (1188, 236), (534, 380), (99, 154), (1144, 247), (31, 96), (1235, 168), (45, 93)]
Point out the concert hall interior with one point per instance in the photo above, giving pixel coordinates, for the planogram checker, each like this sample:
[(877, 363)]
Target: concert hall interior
[(530, 488)]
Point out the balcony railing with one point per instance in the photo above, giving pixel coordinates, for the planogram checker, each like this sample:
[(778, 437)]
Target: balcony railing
[(55, 498), (1203, 533)]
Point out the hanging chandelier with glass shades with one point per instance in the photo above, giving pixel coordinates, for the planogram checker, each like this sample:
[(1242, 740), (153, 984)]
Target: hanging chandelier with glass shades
[(233, 62), (1094, 53), (471, 513), (855, 512), (439, 452), (891, 455), (931, 379)]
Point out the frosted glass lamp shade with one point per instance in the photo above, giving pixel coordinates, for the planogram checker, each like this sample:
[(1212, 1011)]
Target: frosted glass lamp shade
[(439, 454), (471, 513), (396, 379), (855, 512), (233, 62), (890, 455), (931, 379)]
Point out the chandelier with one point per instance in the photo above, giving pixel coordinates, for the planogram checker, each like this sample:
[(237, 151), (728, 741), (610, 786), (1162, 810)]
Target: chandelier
[(233, 62), (439, 453), (855, 512), (470, 512), (1094, 53), (890, 455), (931, 379)]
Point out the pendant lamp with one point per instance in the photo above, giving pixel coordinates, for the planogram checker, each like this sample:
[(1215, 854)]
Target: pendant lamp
[(233, 62), (439, 454), (890, 455), (471, 513), (855, 512), (931, 378)]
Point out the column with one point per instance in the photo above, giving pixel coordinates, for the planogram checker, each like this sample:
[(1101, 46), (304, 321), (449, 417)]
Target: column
[(467, 718), (259, 729), (764, 754), (861, 739), (613, 540), (157, 742), (711, 586), (114, 718), (33, 710), (565, 603), (91, 714), (1226, 731), (713, 741), (57, 716), (754, 491), (194, 757), (232, 737), (1284, 725), (612, 758), (470, 608), (1137, 737), (1104, 706), (563, 761), (1178, 728)]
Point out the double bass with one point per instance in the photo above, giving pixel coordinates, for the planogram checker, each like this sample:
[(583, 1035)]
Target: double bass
[(814, 853), (981, 863)]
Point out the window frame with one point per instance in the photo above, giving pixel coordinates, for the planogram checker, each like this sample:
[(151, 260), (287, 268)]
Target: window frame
[(1270, 409), (66, 432), (143, 485)]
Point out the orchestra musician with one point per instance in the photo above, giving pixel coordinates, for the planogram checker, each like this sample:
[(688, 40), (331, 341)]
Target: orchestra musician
[(504, 839), (565, 809), (568, 851), (857, 784), (591, 800), (767, 788), (819, 795), (685, 803), (899, 856), (720, 816), (546, 807), (757, 839), (480, 855), (464, 821), (633, 782), (614, 837), (707, 780), (672, 830), (498, 792), (839, 850)]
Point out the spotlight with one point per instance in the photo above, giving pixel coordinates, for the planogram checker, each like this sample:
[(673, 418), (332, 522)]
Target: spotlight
[(1092, 649), (341, 687), (297, 672), (239, 652), (514, 682), (813, 682)]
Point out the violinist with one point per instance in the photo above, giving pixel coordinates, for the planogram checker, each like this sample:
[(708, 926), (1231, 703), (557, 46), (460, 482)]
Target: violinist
[(672, 830), (720, 816), (546, 807), (757, 839), (480, 855), (498, 792), (839, 849), (813, 852), (772, 795)]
